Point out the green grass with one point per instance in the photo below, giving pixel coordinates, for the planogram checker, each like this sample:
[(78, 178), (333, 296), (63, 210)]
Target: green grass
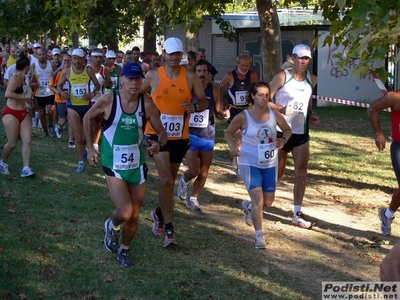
[(51, 227)]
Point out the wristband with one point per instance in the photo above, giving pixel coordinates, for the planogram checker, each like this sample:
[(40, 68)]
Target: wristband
[(284, 139)]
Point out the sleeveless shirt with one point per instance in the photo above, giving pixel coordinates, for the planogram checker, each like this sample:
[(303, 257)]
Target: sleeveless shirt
[(122, 137), (43, 76), (79, 85), (258, 142), (237, 93), (168, 98), (202, 123), (297, 94)]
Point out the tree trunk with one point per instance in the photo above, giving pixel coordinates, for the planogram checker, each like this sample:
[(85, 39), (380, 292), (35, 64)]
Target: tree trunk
[(270, 38), (149, 38), (75, 39), (192, 41)]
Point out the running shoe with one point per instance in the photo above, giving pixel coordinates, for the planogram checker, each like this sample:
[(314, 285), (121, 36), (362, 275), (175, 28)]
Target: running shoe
[(34, 123), (124, 258), (71, 144), (170, 239), (260, 242), (386, 223), (51, 131), (58, 131), (247, 213), (298, 220), (81, 168), (181, 192), (111, 238), (27, 173), (158, 226), (44, 134), (193, 204), (4, 169)]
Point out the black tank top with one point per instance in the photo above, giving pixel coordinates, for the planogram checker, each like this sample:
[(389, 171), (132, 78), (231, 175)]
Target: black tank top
[(19, 90)]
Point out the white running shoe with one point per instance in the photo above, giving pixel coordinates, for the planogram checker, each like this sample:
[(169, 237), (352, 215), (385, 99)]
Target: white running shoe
[(298, 220), (58, 131), (247, 213), (27, 173), (193, 204), (182, 189), (4, 169), (260, 242)]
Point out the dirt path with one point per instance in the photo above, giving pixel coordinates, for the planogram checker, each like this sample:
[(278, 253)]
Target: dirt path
[(345, 243)]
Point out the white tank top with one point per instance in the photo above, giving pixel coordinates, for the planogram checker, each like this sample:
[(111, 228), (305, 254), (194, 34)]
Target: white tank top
[(296, 94), (43, 76), (258, 142)]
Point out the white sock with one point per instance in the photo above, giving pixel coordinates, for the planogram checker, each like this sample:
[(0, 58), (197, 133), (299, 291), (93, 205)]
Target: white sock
[(297, 208), (123, 247), (81, 162), (259, 232), (388, 213)]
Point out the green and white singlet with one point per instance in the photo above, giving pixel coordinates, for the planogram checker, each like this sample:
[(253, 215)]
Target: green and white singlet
[(121, 147)]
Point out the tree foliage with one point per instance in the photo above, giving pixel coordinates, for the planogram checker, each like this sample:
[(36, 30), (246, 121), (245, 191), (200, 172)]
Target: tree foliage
[(367, 28)]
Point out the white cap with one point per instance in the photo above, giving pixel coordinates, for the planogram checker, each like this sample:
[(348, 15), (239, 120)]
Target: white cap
[(36, 45), (78, 52), (172, 45), (110, 54), (302, 50), (55, 51)]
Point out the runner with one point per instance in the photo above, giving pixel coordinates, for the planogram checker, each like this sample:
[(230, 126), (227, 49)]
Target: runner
[(171, 88), (125, 115)]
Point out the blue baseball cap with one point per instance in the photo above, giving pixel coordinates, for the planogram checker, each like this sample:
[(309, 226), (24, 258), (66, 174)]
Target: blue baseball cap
[(132, 70)]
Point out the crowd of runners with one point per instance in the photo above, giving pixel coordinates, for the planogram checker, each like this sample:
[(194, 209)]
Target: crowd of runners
[(120, 105)]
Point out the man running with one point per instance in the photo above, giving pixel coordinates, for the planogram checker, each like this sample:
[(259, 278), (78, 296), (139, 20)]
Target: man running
[(202, 134), (291, 91), (125, 115), (78, 97), (171, 88)]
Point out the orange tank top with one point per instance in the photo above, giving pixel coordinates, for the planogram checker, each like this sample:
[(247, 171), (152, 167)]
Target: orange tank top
[(168, 98)]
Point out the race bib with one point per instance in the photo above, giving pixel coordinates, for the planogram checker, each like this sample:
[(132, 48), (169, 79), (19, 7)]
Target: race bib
[(79, 90), (126, 157), (173, 124), (240, 98), (199, 119), (114, 81), (267, 155)]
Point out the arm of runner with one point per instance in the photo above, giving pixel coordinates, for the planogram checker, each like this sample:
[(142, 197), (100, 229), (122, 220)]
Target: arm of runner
[(389, 100), (108, 78), (100, 107), (96, 83), (286, 130), (219, 113), (60, 84), (12, 86), (52, 84), (253, 77), (238, 122), (276, 83), (146, 84), (226, 80), (153, 116), (390, 266)]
